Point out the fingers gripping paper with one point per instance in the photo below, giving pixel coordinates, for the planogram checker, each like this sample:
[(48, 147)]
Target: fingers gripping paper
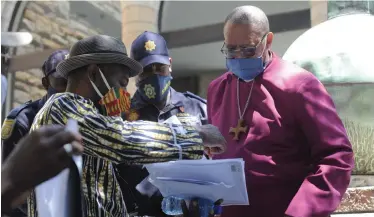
[(61, 195)]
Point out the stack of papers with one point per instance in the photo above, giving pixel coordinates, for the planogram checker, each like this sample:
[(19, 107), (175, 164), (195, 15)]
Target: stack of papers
[(210, 179)]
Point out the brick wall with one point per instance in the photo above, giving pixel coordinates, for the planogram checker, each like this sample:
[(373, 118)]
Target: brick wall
[(53, 27)]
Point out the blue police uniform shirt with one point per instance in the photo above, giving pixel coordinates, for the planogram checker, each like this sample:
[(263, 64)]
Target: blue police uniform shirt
[(18, 123), (189, 109)]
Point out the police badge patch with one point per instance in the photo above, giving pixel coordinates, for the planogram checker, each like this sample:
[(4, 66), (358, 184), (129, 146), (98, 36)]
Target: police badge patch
[(149, 91), (133, 115), (150, 45), (7, 129)]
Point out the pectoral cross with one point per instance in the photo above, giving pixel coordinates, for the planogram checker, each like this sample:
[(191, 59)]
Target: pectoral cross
[(238, 129)]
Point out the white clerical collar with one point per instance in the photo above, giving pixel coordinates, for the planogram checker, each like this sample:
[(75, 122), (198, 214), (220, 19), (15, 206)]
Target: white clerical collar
[(247, 81)]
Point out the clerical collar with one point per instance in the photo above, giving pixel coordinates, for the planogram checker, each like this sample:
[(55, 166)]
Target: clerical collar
[(246, 81)]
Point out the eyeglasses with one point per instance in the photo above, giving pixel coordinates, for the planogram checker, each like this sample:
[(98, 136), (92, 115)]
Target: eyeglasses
[(241, 52)]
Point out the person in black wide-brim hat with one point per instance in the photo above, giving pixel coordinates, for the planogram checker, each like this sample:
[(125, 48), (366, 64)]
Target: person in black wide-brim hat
[(98, 70)]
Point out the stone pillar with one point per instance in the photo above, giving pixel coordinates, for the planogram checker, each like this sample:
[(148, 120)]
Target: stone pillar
[(318, 12), (137, 17)]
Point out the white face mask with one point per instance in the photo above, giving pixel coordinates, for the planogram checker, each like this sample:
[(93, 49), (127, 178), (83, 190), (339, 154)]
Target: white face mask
[(95, 87)]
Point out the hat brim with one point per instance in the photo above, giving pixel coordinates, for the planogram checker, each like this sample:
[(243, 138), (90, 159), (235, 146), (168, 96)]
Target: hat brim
[(75, 62), (155, 59)]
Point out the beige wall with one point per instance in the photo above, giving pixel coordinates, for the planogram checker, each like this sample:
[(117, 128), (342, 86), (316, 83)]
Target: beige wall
[(318, 12), (137, 17)]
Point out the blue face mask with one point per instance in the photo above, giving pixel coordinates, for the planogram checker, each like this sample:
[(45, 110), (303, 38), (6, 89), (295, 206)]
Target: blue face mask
[(245, 68), (155, 88)]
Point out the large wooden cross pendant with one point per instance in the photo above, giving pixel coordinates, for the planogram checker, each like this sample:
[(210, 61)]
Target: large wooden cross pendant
[(240, 128)]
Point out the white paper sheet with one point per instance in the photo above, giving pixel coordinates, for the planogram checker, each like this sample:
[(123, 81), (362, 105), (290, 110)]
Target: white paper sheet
[(211, 179), (52, 195)]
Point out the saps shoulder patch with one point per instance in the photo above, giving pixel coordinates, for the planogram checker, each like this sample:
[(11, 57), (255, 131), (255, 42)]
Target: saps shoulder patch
[(7, 128)]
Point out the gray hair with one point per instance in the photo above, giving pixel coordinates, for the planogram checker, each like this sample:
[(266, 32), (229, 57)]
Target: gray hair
[(250, 15)]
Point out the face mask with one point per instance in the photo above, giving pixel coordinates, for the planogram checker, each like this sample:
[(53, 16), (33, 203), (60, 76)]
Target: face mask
[(155, 88), (246, 68), (115, 102)]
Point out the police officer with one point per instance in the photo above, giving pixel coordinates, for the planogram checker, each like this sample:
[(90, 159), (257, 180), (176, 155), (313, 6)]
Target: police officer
[(17, 124), (155, 100)]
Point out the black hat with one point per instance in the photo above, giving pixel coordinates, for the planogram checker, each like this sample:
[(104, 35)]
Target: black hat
[(98, 49)]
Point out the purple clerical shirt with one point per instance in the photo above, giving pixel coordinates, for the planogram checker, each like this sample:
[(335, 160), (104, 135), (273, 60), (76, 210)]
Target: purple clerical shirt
[(298, 159)]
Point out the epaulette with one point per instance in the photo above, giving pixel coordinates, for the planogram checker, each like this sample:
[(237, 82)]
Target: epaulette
[(15, 112), (10, 120), (191, 95)]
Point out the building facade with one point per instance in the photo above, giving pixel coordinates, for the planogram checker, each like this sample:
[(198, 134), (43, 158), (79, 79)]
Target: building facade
[(193, 31)]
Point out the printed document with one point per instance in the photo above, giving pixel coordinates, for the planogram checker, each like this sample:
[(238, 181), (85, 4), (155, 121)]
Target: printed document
[(210, 179)]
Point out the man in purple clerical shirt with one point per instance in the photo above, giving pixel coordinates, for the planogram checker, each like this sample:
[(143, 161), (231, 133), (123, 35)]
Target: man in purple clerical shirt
[(283, 123)]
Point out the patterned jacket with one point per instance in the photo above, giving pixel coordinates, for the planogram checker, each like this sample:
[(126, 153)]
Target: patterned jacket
[(110, 140)]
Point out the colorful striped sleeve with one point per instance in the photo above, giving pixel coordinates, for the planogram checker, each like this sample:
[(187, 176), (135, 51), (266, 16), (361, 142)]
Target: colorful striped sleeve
[(121, 141)]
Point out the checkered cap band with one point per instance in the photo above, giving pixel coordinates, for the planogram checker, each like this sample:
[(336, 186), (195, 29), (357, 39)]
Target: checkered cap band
[(49, 66), (98, 49)]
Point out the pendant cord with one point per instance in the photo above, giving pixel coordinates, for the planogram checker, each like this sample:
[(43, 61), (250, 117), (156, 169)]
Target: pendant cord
[(241, 115)]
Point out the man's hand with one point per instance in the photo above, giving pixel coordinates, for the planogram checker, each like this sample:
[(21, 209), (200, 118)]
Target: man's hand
[(213, 140), (194, 210), (38, 157)]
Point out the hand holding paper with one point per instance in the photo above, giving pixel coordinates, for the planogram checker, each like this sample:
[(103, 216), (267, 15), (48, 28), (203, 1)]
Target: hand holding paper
[(22, 170), (213, 140), (58, 196)]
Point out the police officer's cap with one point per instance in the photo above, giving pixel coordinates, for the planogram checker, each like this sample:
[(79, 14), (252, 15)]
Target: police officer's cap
[(150, 48), (49, 66)]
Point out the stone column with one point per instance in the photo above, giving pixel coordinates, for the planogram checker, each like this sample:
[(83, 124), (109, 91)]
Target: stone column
[(137, 17), (318, 12)]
